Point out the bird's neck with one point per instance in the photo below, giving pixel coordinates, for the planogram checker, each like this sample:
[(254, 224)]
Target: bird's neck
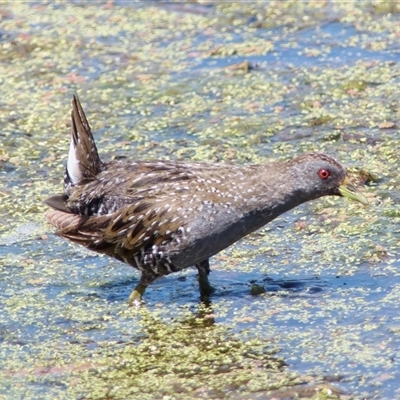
[(273, 195)]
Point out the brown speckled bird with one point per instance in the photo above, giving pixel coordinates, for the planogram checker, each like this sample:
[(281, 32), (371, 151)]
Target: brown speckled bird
[(164, 216)]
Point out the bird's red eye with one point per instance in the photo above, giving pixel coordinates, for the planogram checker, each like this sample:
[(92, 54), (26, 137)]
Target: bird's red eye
[(324, 173)]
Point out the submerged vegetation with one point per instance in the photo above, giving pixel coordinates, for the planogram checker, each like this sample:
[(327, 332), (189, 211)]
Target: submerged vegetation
[(228, 82)]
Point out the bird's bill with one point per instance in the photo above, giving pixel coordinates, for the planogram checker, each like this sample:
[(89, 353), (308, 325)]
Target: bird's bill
[(346, 189)]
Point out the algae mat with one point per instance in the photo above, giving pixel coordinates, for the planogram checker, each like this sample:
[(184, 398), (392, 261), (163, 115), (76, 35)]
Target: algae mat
[(307, 307)]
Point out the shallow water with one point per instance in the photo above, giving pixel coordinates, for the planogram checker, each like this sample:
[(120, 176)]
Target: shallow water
[(235, 83)]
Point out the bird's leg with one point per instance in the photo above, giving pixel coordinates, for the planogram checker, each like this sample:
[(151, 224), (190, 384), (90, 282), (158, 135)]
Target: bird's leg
[(204, 284), (137, 293)]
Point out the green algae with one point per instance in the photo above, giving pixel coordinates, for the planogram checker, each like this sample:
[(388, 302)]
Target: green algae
[(150, 82)]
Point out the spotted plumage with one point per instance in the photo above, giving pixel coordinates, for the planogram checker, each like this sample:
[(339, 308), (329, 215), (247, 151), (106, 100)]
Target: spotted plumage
[(164, 216)]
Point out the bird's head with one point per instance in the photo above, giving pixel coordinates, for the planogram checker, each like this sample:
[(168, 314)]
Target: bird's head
[(321, 175)]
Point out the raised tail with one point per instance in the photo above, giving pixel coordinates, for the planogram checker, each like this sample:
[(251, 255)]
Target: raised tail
[(83, 159)]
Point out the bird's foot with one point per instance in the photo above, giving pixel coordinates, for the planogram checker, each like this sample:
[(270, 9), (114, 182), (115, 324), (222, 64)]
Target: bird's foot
[(205, 287), (204, 284), (135, 297)]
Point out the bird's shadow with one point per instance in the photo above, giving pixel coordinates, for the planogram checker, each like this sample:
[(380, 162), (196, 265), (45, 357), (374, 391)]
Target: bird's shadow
[(176, 289)]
